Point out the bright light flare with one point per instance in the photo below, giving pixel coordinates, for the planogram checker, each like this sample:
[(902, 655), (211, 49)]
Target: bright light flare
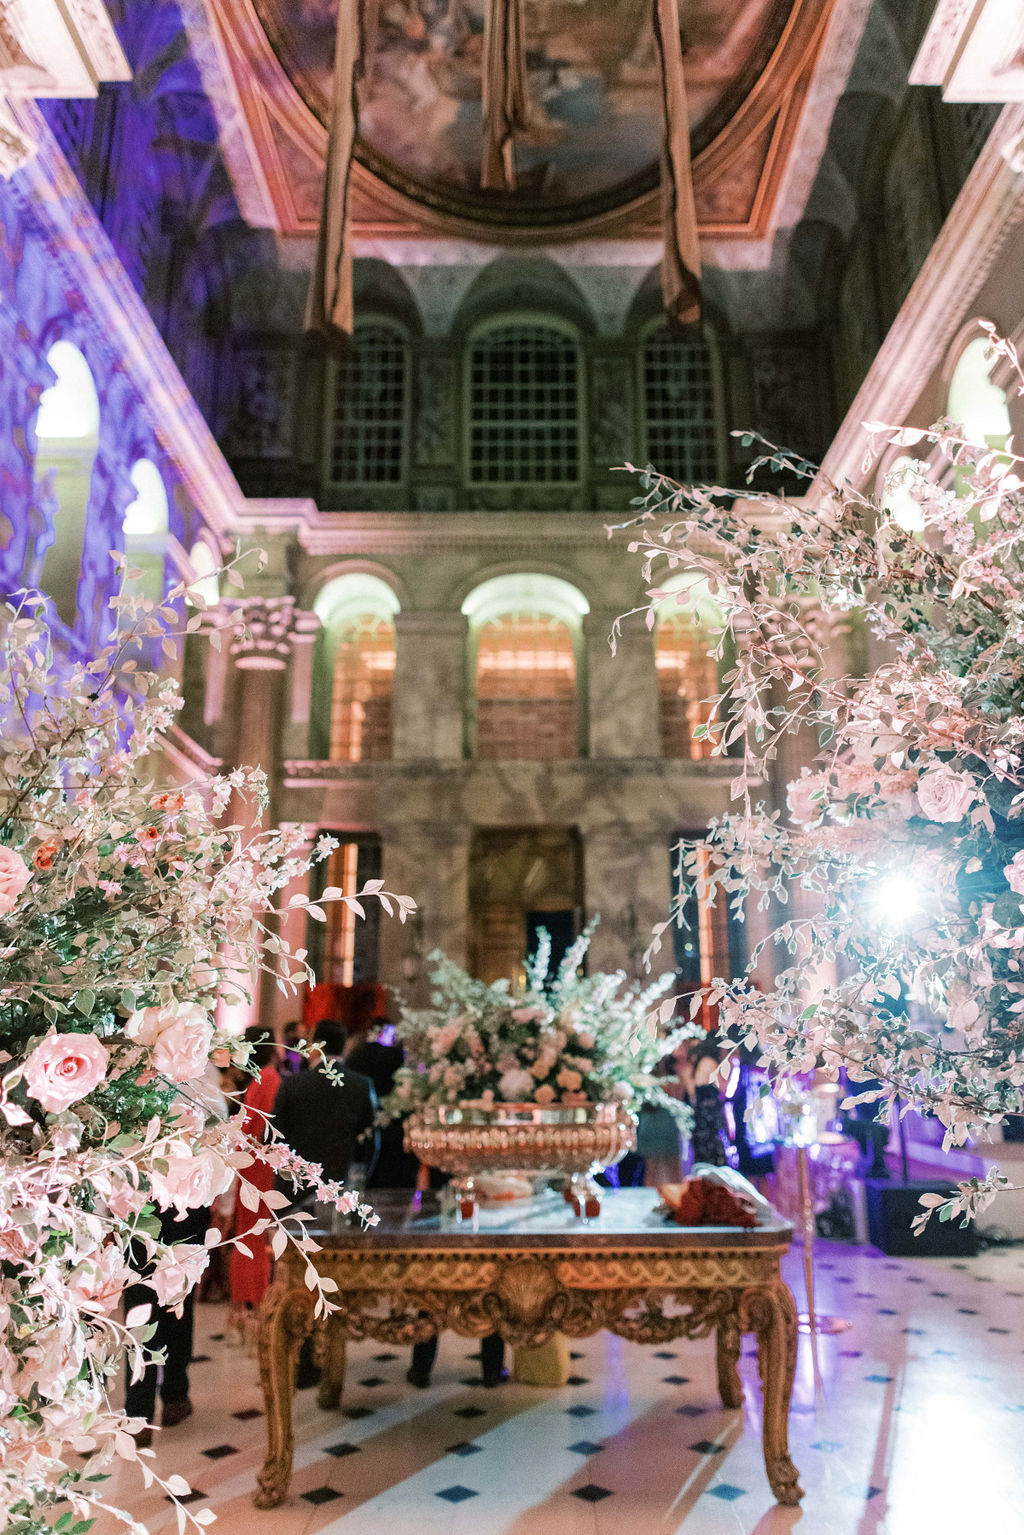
[(897, 901)]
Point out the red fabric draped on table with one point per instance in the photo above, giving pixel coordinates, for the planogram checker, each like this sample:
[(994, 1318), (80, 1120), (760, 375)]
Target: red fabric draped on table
[(249, 1277)]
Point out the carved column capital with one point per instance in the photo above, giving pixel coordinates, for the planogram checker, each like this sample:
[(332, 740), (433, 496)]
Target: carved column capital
[(268, 630)]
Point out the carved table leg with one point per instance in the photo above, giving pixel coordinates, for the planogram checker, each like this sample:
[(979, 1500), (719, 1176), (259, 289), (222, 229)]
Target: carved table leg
[(771, 1314), (730, 1387), (332, 1380), (286, 1317)]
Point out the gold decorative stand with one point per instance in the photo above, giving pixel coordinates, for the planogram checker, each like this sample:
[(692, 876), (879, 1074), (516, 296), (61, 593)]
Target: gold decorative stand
[(541, 1274)]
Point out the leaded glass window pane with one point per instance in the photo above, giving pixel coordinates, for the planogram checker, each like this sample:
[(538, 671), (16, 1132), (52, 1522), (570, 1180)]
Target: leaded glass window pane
[(369, 409), (679, 406), (526, 689), (524, 407)]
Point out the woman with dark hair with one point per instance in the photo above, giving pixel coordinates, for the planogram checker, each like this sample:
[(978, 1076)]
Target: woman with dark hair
[(698, 1077), (248, 1277)]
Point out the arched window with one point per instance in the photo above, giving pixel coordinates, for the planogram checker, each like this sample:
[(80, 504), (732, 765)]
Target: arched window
[(900, 492), (205, 580), (680, 413), (525, 631), (524, 406), (145, 528), (369, 409), (67, 434), (974, 400), (687, 674), (357, 612)]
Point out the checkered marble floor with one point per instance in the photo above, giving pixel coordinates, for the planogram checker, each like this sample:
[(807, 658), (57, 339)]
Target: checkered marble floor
[(916, 1426)]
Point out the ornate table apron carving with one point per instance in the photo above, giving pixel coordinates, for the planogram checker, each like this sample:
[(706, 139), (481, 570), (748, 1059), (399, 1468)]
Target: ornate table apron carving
[(403, 1286)]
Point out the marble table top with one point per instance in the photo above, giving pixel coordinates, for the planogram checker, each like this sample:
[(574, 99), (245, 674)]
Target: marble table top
[(627, 1218)]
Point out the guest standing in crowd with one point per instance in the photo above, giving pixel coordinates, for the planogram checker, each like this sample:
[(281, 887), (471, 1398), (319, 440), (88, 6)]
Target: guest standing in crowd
[(249, 1272), (658, 1138), (697, 1074), (332, 1123), (366, 1053), (329, 1122), (174, 1332)]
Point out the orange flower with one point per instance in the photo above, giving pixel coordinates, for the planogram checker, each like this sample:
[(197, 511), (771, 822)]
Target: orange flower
[(148, 835), (45, 854)]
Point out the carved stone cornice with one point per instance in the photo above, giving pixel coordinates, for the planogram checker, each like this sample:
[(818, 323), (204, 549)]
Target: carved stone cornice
[(989, 207), (58, 48)]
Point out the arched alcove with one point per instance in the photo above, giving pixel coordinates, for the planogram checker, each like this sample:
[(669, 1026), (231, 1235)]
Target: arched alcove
[(973, 400), (525, 633), (67, 437), (354, 668), (688, 620), (145, 528)]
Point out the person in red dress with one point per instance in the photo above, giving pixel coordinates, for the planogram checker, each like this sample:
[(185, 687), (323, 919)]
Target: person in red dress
[(250, 1276)]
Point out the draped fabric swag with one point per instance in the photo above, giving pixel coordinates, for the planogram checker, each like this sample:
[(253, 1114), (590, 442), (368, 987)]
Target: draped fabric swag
[(505, 92), (506, 109), (329, 306), (680, 261)]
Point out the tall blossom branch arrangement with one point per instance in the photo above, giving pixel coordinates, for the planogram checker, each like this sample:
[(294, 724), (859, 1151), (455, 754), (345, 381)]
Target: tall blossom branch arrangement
[(560, 1040), (128, 910), (915, 784)]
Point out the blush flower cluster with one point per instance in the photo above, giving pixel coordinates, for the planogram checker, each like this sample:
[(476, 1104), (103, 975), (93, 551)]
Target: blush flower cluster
[(128, 908)]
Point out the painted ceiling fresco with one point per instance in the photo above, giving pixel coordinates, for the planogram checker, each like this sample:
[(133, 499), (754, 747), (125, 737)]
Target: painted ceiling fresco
[(594, 136)]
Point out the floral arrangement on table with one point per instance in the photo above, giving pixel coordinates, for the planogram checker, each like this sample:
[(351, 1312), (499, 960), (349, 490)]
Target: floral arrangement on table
[(559, 1040), (127, 910), (904, 967)]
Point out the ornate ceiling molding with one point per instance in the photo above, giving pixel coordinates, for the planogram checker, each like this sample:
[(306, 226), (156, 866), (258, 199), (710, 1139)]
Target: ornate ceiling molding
[(974, 50), (737, 176), (989, 207)]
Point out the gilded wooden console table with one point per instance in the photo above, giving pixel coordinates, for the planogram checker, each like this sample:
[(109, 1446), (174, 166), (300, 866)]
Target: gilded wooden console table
[(527, 1277)]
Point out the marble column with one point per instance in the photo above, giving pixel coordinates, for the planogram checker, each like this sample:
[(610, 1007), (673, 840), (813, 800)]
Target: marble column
[(254, 703), (428, 694), (622, 689), (626, 875), (430, 862)]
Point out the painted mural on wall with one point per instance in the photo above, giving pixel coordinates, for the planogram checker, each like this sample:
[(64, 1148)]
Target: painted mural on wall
[(593, 85)]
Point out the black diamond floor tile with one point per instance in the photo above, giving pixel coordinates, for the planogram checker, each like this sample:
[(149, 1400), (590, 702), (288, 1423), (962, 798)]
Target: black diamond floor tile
[(200, 1359), (320, 1495), (691, 1410), (219, 1451), (216, 1337), (457, 1494), (464, 1447), (580, 1412), (247, 1414), (677, 1380), (727, 1492), (383, 1358), (578, 1380), (575, 1354), (373, 1380), (469, 1412), (355, 1413), (189, 1497), (664, 1353), (339, 1451), (585, 1447), (592, 1493), (707, 1447)]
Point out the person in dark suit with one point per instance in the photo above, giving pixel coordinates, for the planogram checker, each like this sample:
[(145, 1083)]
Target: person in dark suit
[(332, 1123), (328, 1122), (396, 1168)]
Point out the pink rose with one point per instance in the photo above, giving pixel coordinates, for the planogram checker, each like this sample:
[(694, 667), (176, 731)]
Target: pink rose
[(178, 1272), (515, 1085), (585, 1039), (179, 1035), (1014, 872), (945, 795), (14, 876), (188, 1182), (803, 798), (544, 1094), (63, 1069), (569, 1079), (98, 1283)]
